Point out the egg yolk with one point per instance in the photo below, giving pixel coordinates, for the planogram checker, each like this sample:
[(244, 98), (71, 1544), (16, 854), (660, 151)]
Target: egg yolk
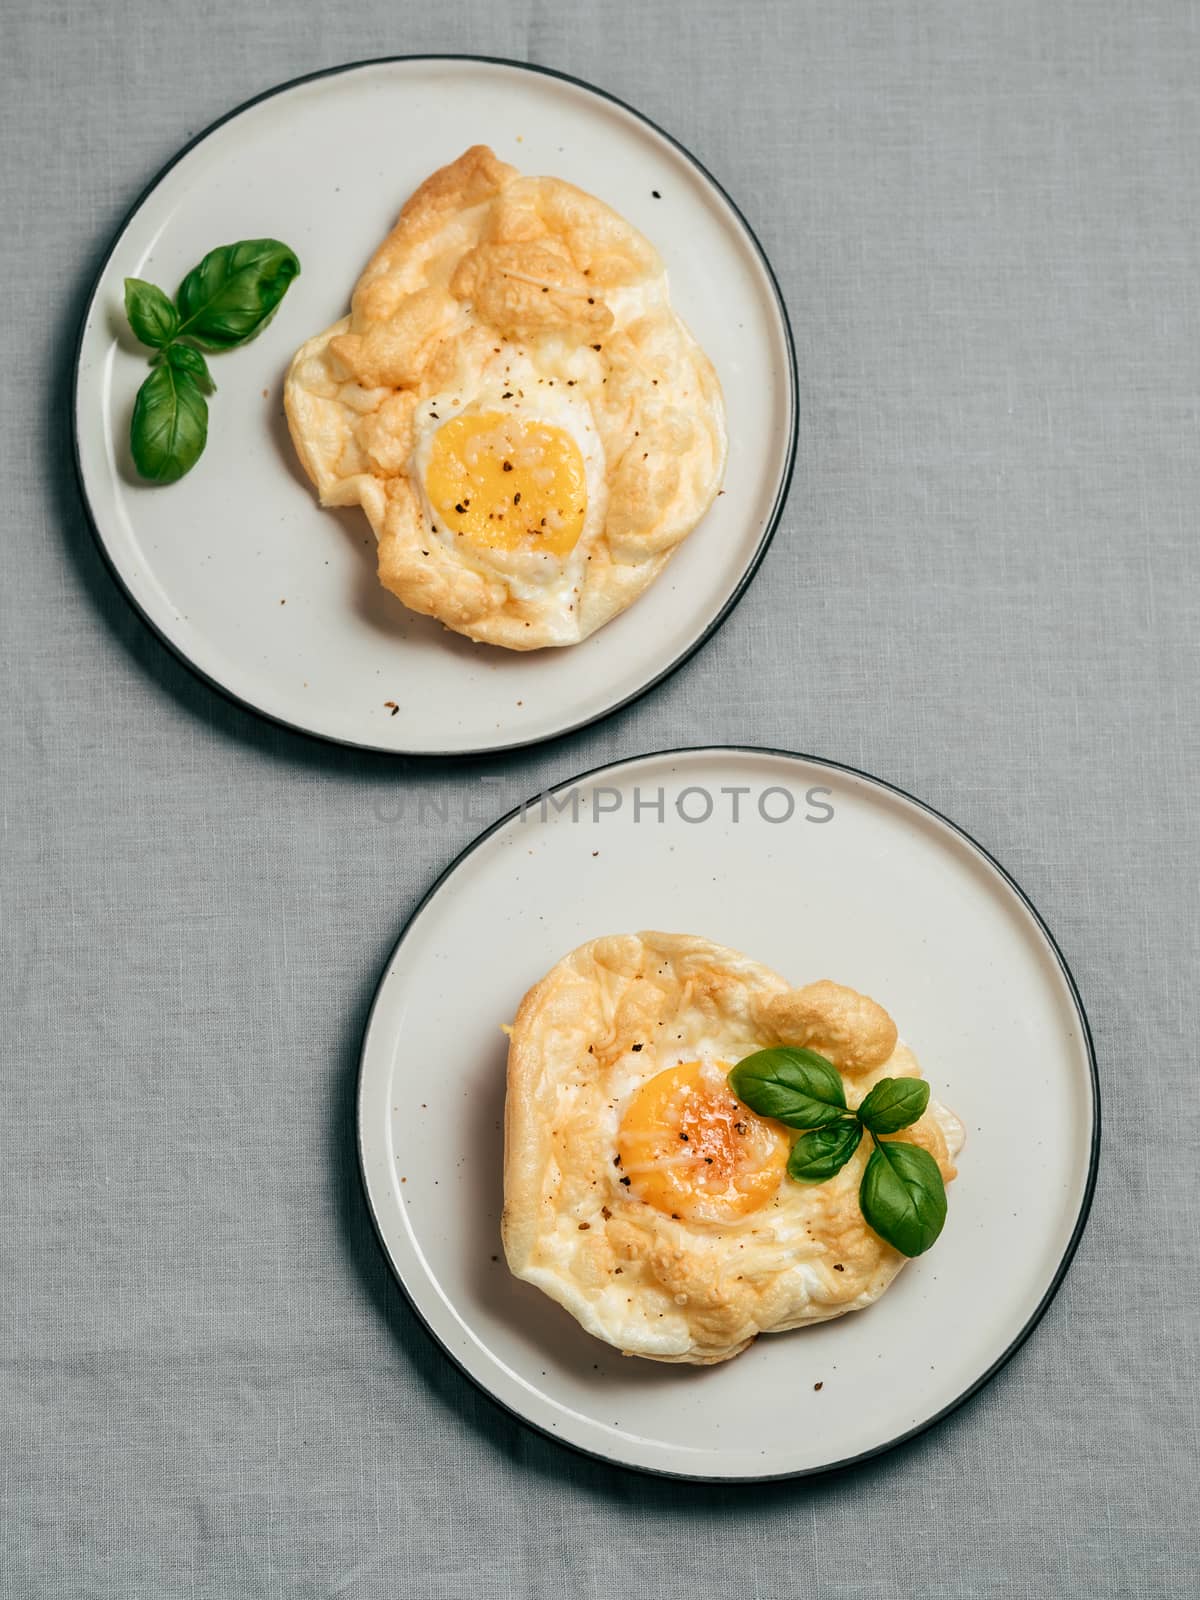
[(691, 1149), (504, 483)]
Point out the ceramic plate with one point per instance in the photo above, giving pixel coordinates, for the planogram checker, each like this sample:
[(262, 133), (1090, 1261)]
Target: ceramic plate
[(274, 600), (825, 872)]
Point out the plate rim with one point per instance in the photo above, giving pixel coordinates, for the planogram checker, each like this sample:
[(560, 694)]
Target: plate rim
[(1065, 1260), (747, 576)]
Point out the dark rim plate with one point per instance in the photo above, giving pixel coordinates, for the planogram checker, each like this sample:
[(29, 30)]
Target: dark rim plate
[(751, 567), (1086, 1034)]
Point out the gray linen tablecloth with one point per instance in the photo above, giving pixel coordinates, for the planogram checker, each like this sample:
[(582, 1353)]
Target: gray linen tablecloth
[(986, 220)]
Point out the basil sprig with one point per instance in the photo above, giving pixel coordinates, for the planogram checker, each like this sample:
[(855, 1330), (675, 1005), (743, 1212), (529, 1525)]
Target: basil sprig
[(902, 1195), (223, 302)]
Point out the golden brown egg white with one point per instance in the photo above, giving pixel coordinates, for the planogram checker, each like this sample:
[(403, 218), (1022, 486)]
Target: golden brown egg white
[(648, 1201), (528, 425)]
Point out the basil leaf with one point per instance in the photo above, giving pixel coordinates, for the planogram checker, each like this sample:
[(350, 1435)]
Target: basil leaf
[(795, 1086), (184, 359), (825, 1151), (170, 425), (902, 1196), (152, 317), (235, 291), (893, 1104)]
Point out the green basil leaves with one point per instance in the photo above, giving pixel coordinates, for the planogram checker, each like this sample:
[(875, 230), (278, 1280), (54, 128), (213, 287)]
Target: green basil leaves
[(902, 1195), (170, 425), (820, 1154), (185, 359), (223, 302), (151, 315), (894, 1103), (235, 291), (798, 1087)]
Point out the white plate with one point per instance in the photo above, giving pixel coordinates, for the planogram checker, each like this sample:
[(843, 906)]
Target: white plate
[(884, 895), (325, 164)]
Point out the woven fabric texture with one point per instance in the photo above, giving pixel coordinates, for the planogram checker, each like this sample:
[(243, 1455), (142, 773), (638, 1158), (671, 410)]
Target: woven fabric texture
[(986, 222)]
